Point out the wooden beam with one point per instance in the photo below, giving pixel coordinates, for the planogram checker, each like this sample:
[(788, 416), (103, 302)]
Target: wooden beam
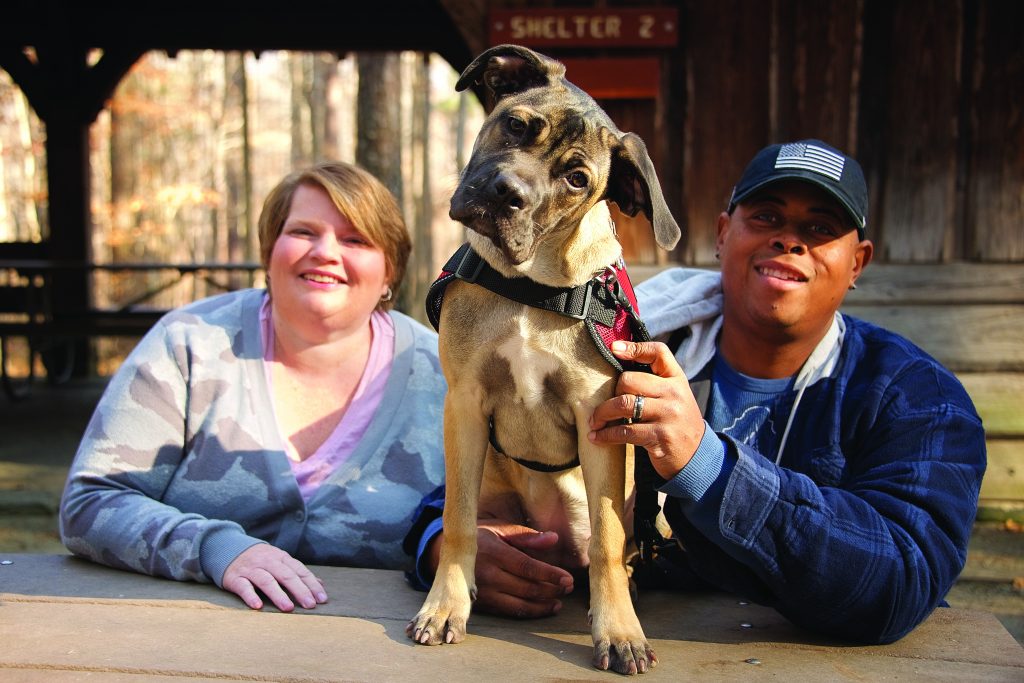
[(25, 73), (816, 51), (103, 77), (727, 118), (948, 284), (913, 202), (1004, 477), (994, 200), (976, 338), (999, 399)]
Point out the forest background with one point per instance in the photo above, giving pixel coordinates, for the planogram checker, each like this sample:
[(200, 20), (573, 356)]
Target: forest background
[(189, 145)]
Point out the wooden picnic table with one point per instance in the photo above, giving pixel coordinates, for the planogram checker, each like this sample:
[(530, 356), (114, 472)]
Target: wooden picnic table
[(62, 618)]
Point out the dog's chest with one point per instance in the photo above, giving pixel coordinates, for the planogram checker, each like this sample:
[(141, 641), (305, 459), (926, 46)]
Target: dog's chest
[(537, 372), (516, 351), (532, 374)]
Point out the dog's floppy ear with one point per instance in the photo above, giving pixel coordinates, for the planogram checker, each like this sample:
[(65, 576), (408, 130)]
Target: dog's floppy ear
[(634, 186), (505, 70)]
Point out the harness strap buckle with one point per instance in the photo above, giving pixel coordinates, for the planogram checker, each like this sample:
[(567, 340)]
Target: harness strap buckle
[(587, 297), (467, 270)]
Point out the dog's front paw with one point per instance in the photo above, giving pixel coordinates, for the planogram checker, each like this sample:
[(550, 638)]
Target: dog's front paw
[(619, 642), (627, 656), (443, 616), (436, 627)]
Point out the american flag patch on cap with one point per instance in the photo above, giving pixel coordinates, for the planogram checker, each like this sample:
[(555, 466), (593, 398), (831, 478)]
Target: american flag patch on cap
[(811, 158)]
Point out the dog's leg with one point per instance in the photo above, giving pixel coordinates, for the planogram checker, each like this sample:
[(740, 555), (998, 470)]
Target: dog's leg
[(446, 610), (619, 641)]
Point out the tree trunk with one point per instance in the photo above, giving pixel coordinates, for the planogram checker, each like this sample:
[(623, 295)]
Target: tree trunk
[(420, 272), (378, 119), (252, 251), (323, 136), (235, 161), (20, 171), (299, 99), (379, 128)]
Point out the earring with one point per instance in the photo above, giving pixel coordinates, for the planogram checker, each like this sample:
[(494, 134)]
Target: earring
[(853, 286), (387, 295)]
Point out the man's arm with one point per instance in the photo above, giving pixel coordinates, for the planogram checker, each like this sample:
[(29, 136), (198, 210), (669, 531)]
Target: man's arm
[(867, 559), (871, 557)]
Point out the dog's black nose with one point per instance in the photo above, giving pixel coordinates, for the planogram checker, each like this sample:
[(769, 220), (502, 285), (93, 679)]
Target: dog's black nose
[(508, 190)]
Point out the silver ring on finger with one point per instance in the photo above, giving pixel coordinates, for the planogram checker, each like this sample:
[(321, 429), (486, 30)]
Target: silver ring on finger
[(638, 408)]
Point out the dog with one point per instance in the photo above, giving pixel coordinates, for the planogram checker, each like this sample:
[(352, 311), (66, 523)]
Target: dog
[(534, 197)]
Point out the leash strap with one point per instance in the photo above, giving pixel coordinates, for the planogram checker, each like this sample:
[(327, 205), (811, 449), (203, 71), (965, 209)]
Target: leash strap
[(663, 562), (649, 541)]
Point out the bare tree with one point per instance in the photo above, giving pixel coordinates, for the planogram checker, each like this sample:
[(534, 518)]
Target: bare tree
[(22, 167), (379, 127), (300, 97), (379, 118), (124, 172), (324, 133), (237, 164), (420, 274)]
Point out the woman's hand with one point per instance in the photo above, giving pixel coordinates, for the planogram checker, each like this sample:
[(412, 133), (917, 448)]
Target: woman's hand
[(277, 574), (670, 425)]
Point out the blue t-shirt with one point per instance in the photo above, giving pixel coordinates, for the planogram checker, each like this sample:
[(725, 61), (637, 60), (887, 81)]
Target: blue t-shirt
[(743, 408), (747, 408)]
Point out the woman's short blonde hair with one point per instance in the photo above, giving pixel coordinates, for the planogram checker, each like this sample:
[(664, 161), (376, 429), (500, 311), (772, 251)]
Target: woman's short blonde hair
[(359, 197)]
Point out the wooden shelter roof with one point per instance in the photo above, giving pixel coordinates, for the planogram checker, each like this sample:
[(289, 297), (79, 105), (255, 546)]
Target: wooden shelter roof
[(215, 24)]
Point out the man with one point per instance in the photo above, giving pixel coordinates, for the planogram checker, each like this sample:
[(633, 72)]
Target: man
[(811, 461), (830, 468)]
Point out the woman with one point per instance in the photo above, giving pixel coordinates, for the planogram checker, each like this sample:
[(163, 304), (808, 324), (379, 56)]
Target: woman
[(255, 431)]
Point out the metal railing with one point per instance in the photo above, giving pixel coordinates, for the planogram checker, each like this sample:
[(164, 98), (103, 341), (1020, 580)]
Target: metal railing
[(29, 298)]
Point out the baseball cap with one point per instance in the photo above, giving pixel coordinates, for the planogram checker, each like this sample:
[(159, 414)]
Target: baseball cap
[(815, 162)]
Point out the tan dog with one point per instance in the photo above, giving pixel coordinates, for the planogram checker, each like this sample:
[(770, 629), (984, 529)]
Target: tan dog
[(534, 196)]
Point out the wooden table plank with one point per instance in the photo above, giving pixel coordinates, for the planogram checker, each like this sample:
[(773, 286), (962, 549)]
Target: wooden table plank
[(67, 618)]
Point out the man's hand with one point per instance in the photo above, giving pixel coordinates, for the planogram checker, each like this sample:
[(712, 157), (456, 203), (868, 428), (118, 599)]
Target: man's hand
[(277, 574), (510, 580), (670, 425)]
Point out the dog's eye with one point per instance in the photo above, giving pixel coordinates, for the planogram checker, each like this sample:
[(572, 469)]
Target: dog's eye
[(516, 125), (577, 179)]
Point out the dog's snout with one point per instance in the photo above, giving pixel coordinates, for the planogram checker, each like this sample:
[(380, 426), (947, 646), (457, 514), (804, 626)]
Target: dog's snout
[(509, 190)]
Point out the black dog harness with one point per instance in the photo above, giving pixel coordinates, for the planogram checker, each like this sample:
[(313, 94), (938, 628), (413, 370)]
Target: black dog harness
[(607, 305)]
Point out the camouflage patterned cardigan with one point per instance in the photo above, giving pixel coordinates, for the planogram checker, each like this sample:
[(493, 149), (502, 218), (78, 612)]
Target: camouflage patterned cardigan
[(182, 467)]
